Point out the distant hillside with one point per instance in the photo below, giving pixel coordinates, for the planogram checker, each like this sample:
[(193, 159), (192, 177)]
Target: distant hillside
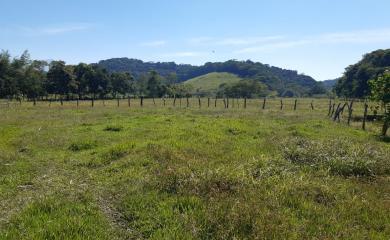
[(354, 83), (277, 79), (209, 83), (329, 84)]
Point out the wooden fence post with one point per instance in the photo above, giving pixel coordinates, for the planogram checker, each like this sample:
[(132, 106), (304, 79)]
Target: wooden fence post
[(117, 102), (142, 101), (350, 110), (333, 106), (93, 102), (281, 104), (199, 102), (180, 101), (365, 116), (188, 102), (62, 101), (208, 102), (312, 106), (215, 102), (227, 102), (295, 104), (244, 102), (174, 101), (77, 102), (264, 101), (128, 101), (336, 112)]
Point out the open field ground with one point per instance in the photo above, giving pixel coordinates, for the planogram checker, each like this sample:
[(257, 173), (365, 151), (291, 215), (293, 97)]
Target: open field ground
[(169, 172)]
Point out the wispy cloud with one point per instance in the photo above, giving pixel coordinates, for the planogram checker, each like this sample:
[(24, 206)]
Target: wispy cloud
[(158, 43), (200, 40), (55, 30), (232, 41), (185, 54), (248, 40), (355, 37), (273, 46)]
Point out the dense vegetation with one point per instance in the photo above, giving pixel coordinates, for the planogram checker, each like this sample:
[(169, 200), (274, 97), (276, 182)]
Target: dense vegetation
[(285, 82), (354, 82), (190, 173), (25, 78)]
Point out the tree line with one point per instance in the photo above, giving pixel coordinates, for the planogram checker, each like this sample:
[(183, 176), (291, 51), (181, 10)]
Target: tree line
[(21, 77)]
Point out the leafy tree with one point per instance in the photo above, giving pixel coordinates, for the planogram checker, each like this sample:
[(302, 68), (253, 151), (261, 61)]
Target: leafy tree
[(122, 83), (155, 87), (33, 84), (380, 91), (61, 79), (8, 86)]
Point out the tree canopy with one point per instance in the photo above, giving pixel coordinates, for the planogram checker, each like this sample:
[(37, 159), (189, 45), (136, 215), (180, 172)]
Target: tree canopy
[(354, 82)]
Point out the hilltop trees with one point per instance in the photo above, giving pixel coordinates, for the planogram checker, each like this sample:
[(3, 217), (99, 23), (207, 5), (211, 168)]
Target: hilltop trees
[(354, 83)]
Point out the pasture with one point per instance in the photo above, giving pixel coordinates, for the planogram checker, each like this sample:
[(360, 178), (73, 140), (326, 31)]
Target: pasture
[(197, 172)]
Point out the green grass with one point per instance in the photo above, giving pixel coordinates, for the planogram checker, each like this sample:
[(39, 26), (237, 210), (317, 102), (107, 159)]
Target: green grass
[(190, 173), (209, 83)]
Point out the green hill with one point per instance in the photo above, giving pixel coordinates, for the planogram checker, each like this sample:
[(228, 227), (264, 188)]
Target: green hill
[(209, 83)]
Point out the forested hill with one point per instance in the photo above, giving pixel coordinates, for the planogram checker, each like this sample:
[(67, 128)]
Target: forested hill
[(285, 82), (354, 82)]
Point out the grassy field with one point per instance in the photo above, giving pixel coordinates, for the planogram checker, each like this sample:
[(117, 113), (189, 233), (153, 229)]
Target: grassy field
[(209, 83), (158, 172)]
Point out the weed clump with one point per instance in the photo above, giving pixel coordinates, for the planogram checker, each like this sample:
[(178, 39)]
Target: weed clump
[(113, 128), (339, 157), (82, 146)]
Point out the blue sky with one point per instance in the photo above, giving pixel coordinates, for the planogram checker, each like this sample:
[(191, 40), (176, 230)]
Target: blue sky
[(316, 37)]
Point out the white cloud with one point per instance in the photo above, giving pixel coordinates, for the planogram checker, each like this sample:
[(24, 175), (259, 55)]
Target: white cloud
[(200, 40), (158, 43), (248, 40), (353, 37), (273, 46), (234, 41), (184, 54), (56, 30)]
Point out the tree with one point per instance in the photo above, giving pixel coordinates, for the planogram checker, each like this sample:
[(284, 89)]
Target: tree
[(122, 83), (380, 91), (154, 85), (98, 81), (8, 87), (80, 73), (61, 79), (33, 84)]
